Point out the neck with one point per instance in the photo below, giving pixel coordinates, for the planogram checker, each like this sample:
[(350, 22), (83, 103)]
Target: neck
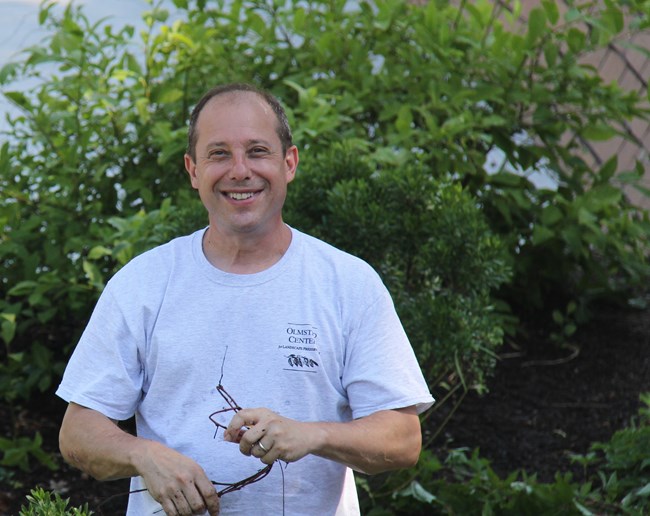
[(245, 253)]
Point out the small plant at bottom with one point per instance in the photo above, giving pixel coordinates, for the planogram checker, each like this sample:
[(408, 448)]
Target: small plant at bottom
[(44, 503)]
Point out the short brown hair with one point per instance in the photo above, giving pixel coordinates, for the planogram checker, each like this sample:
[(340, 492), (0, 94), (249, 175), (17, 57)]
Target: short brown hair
[(283, 129)]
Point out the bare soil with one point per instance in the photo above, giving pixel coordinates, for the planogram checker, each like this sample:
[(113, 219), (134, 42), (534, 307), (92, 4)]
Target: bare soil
[(543, 404)]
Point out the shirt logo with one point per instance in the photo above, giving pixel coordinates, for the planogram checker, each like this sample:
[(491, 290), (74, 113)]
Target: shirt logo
[(302, 340), (301, 361)]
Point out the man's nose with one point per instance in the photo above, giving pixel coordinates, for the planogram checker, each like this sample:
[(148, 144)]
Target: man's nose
[(240, 169)]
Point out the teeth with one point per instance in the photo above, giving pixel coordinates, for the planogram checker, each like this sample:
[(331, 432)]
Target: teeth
[(240, 196)]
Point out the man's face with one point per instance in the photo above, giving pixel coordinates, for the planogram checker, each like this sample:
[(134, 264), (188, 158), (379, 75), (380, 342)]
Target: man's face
[(240, 170)]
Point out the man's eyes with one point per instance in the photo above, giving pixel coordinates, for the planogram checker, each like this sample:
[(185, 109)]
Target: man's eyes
[(254, 151)]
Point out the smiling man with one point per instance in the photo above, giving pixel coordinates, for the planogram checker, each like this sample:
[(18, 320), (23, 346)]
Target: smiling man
[(241, 169), (303, 335)]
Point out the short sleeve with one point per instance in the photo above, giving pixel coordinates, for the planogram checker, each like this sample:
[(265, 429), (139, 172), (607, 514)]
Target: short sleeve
[(105, 371), (381, 370)]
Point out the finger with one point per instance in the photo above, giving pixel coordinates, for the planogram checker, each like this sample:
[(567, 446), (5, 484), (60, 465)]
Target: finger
[(252, 436), (234, 428), (168, 506), (196, 502), (181, 503), (255, 422), (260, 449), (268, 457), (247, 445), (256, 451), (265, 448), (241, 422), (209, 496)]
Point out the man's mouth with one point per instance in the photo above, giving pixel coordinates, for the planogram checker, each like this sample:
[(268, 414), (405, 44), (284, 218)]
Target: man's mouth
[(240, 196)]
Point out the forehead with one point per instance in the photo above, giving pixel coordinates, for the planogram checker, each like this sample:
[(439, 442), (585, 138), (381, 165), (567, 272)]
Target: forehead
[(235, 115)]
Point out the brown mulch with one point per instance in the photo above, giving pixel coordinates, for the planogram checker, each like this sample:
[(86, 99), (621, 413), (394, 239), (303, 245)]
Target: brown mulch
[(543, 404)]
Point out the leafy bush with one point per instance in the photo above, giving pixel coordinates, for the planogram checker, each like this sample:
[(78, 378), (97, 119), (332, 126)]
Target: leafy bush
[(17, 452), (91, 172), (43, 503), (435, 87), (465, 484), (623, 465), (86, 155), (428, 240)]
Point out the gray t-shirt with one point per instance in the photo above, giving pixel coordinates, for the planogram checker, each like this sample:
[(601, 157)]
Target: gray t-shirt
[(314, 338)]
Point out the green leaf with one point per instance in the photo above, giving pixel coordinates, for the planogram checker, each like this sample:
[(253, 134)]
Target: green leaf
[(550, 53), (44, 12), (603, 196), (142, 107), (404, 120), (551, 215), (23, 288), (541, 234), (599, 132), (608, 170), (573, 237), (386, 14), (7, 72), (644, 491), (586, 217), (169, 95), (536, 25), (17, 98), (551, 10), (629, 177), (98, 252), (505, 179), (572, 15), (299, 19), (159, 14), (493, 121), (8, 327), (417, 491), (577, 40), (613, 18), (132, 63), (256, 23), (93, 275)]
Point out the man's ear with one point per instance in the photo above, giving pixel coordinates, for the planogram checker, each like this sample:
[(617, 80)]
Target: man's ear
[(291, 160), (190, 166)]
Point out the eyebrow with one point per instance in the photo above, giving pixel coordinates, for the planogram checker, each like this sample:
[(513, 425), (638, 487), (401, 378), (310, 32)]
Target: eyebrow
[(248, 143)]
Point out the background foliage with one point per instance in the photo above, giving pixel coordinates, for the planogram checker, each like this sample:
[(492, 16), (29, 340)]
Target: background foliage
[(396, 108)]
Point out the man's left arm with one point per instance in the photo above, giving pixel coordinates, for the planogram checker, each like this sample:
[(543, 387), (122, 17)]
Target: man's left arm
[(382, 441)]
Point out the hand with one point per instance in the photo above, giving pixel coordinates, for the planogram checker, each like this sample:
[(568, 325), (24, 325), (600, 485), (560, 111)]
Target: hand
[(270, 437), (177, 482)]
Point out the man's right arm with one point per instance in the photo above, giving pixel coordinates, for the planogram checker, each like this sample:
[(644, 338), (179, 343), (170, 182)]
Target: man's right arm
[(96, 445)]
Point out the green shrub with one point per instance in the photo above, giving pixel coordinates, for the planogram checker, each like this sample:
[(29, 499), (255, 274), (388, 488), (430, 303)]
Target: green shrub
[(91, 170), (624, 465), (465, 484), (428, 240), (43, 503), (17, 452)]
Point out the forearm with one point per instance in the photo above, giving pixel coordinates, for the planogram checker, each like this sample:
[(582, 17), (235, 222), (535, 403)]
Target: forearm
[(377, 443), (383, 441), (94, 444)]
